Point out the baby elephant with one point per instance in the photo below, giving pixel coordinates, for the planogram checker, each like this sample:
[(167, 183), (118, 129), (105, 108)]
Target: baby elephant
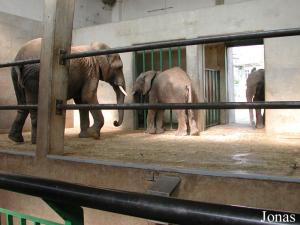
[(170, 86)]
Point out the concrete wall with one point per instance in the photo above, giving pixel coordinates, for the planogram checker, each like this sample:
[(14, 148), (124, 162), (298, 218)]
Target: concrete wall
[(282, 64), (15, 31), (207, 21), (87, 13)]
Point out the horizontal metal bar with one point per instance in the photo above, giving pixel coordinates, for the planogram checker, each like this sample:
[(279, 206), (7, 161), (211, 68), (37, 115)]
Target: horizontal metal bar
[(145, 206), (17, 107), (193, 41), (20, 63), (138, 106), (169, 44), (210, 105)]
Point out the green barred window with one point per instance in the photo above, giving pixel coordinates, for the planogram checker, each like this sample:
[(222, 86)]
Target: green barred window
[(212, 94), (159, 60)]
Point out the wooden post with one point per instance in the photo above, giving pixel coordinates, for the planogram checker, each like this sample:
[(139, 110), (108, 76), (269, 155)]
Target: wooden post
[(58, 24), (195, 68)]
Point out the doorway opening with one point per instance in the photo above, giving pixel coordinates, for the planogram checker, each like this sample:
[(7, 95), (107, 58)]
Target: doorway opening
[(240, 62)]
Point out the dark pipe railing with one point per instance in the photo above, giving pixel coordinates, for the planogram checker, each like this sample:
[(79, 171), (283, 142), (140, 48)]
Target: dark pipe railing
[(169, 44), (145, 206), (139, 106)]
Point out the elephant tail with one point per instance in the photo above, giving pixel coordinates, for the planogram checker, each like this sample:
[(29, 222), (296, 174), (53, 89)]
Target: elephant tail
[(18, 85)]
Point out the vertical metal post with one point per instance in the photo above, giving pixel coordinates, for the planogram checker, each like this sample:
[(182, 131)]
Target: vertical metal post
[(58, 24), (170, 66), (22, 221), (152, 59), (160, 59), (9, 220), (179, 56), (144, 70)]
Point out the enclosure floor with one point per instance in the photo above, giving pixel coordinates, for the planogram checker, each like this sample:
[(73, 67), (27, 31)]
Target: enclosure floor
[(222, 148)]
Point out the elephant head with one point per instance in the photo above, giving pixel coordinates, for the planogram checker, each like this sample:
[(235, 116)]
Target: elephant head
[(143, 83), (111, 71)]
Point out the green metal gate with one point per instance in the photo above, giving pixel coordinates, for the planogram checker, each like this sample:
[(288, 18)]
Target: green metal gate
[(23, 219), (159, 60), (212, 94)]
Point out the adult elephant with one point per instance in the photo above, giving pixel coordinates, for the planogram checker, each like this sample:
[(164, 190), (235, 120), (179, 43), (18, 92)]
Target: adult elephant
[(170, 86), (256, 92), (83, 79)]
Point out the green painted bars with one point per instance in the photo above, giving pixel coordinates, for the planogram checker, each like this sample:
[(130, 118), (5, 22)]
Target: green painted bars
[(212, 94), (23, 219), (154, 60)]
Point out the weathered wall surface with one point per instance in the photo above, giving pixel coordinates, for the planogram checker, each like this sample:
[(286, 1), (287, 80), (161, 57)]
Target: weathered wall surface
[(15, 31), (282, 64), (206, 21)]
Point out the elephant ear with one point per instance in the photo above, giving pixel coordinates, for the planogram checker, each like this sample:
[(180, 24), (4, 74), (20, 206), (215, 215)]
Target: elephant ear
[(148, 77)]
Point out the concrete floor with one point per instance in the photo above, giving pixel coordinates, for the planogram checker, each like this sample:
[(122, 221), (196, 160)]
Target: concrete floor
[(235, 148)]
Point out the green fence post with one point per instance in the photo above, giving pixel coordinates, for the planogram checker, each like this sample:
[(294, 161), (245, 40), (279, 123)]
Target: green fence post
[(179, 56), (9, 220), (22, 221), (170, 66), (72, 215), (152, 59), (144, 70)]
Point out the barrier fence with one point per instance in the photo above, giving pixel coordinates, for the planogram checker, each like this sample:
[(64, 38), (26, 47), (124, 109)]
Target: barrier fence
[(164, 209)]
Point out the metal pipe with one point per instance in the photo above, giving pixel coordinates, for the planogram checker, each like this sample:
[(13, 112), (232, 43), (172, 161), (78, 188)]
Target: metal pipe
[(175, 43), (210, 105), (17, 107), (193, 41), (20, 63), (132, 106), (145, 206)]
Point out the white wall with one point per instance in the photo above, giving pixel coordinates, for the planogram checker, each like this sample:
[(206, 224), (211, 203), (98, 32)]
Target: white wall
[(15, 31), (87, 12), (132, 9), (282, 79), (206, 21)]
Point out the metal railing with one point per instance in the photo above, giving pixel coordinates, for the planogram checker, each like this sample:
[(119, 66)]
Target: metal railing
[(23, 218), (164, 209), (169, 44)]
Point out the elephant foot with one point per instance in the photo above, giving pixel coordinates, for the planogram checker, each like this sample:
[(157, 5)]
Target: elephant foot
[(252, 124), (160, 130), (181, 133), (194, 132), (83, 134), (92, 132), (260, 126), (151, 131), (16, 138)]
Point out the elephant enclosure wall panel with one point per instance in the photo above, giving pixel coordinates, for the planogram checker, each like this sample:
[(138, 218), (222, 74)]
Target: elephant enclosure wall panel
[(159, 60), (212, 94)]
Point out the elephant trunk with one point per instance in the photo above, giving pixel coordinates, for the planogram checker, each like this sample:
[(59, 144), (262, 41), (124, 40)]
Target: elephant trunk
[(120, 100)]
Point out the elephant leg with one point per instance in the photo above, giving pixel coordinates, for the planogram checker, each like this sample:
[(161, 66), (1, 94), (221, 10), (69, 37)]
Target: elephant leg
[(182, 127), (15, 133), (193, 126), (84, 120), (150, 122), (159, 122), (249, 96), (32, 98), (259, 119), (94, 131)]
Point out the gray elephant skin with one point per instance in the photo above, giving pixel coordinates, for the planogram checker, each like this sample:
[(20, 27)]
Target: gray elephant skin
[(83, 79), (170, 86), (256, 92)]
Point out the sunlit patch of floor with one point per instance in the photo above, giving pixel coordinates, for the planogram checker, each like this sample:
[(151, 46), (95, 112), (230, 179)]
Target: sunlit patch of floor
[(221, 148)]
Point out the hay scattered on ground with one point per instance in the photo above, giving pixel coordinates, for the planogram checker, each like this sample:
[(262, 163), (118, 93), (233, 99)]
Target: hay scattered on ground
[(222, 148)]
